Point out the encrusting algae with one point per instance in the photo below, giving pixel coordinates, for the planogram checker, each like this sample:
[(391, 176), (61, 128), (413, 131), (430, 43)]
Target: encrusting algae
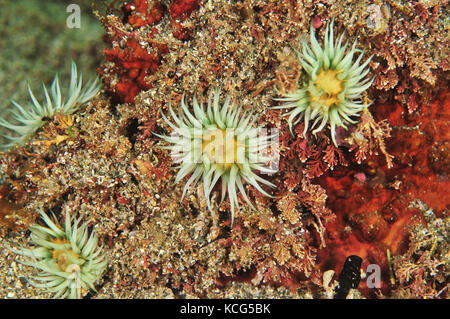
[(338, 192)]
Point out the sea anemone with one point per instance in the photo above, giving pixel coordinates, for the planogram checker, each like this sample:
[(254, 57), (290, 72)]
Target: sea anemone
[(28, 119), (69, 259), (333, 91), (219, 142)]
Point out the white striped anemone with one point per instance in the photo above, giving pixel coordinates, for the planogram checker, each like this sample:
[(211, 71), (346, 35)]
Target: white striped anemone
[(27, 119), (219, 142), (335, 84), (68, 259)]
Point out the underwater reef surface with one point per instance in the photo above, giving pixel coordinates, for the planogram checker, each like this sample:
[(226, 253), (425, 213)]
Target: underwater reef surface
[(380, 194)]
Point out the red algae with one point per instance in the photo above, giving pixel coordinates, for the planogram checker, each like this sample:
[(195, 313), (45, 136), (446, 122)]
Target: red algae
[(132, 60), (142, 12), (136, 63), (181, 9), (375, 214)]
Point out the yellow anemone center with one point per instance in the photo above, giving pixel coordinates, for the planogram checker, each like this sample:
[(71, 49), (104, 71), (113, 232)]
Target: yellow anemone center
[(62, 255), (329, 87), (221, 147)]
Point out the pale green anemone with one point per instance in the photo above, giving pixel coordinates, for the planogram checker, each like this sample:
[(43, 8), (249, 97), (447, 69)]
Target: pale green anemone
[(333, 91), (29, 118), (218, 143), (69, 260)]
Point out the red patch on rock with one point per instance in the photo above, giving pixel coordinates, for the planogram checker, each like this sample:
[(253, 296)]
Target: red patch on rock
[(181, 9), (134, 57), (375, 215)]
